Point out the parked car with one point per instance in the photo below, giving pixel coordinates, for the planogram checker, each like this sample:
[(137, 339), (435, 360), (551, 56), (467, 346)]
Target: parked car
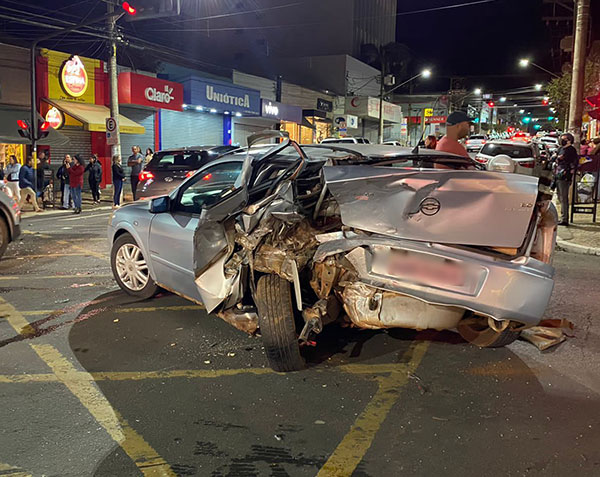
[(521, 136), (551, 142), (345, 140), (392, 143), (168, 168), (372, 236), (526, 156), (10, 218), (475, 142)]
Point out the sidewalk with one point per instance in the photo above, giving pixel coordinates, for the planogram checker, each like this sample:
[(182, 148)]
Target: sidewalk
[(581, 236), (86, 202)]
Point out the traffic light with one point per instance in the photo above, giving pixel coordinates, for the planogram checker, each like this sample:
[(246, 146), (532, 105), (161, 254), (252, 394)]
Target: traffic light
[(129, 8), (43, 129), (491, 104), (550, 118), (476, 120), (526, 119), (545, 102), (24, 128)]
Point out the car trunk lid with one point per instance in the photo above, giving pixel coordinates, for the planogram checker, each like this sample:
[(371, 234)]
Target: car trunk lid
[(478, 208)]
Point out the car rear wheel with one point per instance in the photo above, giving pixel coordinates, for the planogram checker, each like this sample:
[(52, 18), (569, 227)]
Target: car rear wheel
[(4, 236), (130, 268), (476, 330), (277, 324)]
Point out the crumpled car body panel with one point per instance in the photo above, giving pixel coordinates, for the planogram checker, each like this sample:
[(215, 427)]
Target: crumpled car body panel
[(453, 207)]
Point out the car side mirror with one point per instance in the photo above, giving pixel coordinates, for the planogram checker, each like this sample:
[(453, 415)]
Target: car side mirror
[(160, 205)]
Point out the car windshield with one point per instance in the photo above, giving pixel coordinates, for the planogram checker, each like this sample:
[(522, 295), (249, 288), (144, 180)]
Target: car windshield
[(511, 150), (179, 160)]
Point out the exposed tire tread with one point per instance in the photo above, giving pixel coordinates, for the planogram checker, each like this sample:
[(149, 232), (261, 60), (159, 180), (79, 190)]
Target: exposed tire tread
[(276, 321), (151, 287)]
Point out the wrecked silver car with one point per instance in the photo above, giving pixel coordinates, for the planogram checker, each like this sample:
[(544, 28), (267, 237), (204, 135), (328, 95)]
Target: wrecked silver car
[(296, 238)]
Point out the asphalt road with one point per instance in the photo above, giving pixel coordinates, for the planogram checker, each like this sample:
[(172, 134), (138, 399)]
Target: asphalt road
[(94, 383)]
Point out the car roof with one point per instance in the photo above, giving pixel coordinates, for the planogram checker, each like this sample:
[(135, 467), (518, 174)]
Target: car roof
[(189, 149), (383, 150), (509, 143)]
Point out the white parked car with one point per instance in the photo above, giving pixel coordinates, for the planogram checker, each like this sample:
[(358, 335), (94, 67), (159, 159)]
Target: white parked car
[(525, 155), (345, 140), (476, 142)]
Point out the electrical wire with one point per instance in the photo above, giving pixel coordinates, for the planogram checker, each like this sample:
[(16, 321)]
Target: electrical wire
[(246, 12)]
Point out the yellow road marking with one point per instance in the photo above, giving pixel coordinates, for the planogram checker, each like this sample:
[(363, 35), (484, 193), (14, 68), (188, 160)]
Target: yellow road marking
[(140, 309), (82, 385), (349, 453), (84, 250), (143, 455)]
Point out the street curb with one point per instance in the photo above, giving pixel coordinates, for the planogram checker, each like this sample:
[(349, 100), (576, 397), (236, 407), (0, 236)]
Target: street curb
[(59, 213), (575, 248)]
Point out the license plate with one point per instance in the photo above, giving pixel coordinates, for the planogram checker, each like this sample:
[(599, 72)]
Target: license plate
[(425, 269)]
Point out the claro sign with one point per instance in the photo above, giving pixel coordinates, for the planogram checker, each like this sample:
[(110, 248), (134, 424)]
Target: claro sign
[(149, 91)]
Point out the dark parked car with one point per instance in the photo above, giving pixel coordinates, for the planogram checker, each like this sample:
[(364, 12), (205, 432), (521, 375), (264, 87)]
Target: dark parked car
[(169, 168)]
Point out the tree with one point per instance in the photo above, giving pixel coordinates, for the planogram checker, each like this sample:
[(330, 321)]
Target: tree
[(559, 89)]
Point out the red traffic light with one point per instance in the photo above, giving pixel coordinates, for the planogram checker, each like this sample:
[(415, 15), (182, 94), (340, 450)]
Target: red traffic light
[(129, 9), (491, 104), (22, 124), (545, 102), (44, 126)]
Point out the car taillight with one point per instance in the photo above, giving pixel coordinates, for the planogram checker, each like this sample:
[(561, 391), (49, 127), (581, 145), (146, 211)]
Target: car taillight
[(207, 177), (189, 174), (146, 175), (483, 141), (528, 164), (481, 160)]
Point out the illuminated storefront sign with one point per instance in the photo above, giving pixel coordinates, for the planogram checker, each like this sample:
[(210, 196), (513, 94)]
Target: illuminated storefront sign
[(73, 77), (55, 118)]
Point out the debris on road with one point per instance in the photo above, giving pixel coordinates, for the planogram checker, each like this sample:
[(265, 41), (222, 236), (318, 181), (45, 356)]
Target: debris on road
[(422, 388), (81, 285), (548, 333), (116, 320), (318, 421), (230, 354)]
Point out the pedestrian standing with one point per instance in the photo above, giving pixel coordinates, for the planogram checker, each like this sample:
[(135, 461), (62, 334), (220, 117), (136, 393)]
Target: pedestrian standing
[(148, 157), (117, 177), (595, 147), (566, 164), (63, 176), (76, 171), (458, 126), (135, 162), (42, 175), (94, 177), (585, 147), (430, 142), (26, 175), (11, 175)]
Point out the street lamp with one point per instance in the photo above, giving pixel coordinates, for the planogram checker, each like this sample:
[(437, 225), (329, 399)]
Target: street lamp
[(477, 91), (426, 73), (503, 99), (538, 87), (525, 62)]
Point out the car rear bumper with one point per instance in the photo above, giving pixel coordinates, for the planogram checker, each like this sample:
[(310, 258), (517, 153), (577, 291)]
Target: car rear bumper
[(516, 290)]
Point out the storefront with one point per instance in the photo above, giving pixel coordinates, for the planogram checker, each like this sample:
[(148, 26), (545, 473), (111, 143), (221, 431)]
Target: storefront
[(73, 95), (283, 116), (210, 113), (141, 99), (367, 110)]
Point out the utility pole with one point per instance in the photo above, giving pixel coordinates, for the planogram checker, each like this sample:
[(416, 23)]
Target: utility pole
[(112, 73), (577, 83), (381, 94)]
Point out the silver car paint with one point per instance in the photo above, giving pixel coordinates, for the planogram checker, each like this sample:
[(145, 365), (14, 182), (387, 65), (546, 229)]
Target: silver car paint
[(475, 207)]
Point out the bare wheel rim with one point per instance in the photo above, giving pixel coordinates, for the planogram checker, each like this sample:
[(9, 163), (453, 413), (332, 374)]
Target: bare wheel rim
[(131, 266)]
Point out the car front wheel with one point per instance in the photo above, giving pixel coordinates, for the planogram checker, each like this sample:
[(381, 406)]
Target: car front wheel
[(277, 324), (130, 268)]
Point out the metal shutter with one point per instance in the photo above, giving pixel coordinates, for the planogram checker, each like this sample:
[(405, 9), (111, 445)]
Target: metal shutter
[(190, 128), (144, 117), (241, 131), (80, 142)]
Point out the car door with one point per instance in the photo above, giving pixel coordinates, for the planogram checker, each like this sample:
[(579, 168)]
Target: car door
[(172, 233)]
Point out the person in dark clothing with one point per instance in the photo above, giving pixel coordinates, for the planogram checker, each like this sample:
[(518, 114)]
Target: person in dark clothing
[(76, 171), (117, 177), (95, 177), (42, 175), (135, 161), (63, 176), (566, 164), (26, 176)]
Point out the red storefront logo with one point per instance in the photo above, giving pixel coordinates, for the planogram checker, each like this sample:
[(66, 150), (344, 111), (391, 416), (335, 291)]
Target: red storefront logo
[(73, 77), (149, 91), (54, 117)]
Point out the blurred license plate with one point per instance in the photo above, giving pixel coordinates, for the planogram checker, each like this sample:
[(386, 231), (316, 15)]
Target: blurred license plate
[(426, 270)]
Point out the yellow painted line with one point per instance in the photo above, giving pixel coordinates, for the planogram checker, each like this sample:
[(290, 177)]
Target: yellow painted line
[(7, 470), (176, 373), (86, 391), (143, 455), (353, 447), (37, 234), (140, 309), (50, 277), (84, 250)]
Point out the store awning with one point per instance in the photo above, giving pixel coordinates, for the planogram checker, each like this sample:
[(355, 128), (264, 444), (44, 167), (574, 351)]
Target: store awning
[(93, 116), (9, 130)]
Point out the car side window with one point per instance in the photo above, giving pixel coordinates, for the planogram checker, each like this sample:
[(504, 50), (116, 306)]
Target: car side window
[(208, 187)]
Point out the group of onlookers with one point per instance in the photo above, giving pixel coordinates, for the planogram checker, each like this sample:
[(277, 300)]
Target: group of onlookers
[(20, 180), (71, 173), (590, 147)]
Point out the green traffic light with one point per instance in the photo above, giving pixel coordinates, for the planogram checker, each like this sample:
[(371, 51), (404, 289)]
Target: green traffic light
[(526, 119), (550, 118)]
